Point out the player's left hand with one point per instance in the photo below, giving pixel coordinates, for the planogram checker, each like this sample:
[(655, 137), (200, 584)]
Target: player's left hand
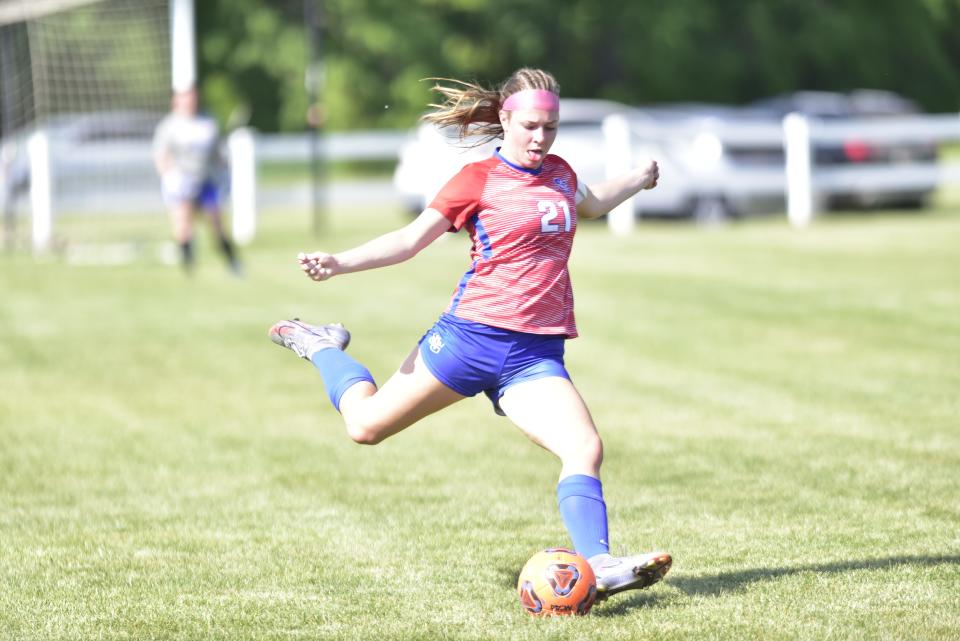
[(651, 174)]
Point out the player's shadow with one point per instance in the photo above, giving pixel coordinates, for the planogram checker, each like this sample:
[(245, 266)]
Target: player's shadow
[(727, 582)]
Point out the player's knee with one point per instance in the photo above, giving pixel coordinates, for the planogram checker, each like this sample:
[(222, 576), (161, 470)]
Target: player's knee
[(594, 450), (361, 434), (365, 432), (587, 451)]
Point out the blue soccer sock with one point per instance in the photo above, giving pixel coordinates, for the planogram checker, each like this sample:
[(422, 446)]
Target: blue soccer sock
[(339, 372), (584, 512)]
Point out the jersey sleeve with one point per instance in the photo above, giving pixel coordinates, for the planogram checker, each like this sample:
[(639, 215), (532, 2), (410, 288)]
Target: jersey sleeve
[(581, 190), (459, 199)]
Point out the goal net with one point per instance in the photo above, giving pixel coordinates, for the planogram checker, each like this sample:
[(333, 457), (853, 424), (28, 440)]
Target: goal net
[(83, 84)]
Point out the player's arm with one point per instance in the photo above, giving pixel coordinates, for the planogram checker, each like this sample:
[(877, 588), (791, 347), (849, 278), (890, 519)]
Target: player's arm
[(449, 210), (162, 158), (389, 249), (162, 161), (602, 198)]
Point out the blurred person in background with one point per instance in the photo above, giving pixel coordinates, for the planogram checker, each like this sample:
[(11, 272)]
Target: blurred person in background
[(504, 329), (188, 157)]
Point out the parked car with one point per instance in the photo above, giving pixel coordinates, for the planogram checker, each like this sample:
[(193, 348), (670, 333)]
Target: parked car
[(715, 161), (868, 149), (115, 143), (894, 166), (94, 157), (832, 104)]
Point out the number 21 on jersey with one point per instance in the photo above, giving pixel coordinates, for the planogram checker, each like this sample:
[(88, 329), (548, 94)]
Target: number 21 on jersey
[(550, 212)]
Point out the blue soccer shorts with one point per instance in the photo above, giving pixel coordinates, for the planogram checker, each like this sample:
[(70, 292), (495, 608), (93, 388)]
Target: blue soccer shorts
[(178, 189), (471, 357), (209, 196)]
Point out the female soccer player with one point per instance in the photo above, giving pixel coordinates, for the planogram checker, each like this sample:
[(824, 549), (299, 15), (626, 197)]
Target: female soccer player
[(186, 152), (503, 331)]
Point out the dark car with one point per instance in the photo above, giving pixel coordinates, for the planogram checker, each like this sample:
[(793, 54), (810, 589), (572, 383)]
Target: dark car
[(874, 140)]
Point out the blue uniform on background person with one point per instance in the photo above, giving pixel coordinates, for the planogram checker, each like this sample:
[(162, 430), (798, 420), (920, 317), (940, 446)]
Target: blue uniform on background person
[(188, 158)]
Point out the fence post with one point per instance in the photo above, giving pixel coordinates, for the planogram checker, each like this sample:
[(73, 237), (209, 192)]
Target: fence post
[(619, 156), (799, 168), (243, 185), (41, 188)]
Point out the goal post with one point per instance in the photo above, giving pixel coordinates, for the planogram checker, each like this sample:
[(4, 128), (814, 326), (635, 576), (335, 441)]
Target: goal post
[(183, 52), (83, 85)]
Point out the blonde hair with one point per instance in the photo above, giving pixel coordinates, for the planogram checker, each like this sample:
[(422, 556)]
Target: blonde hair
[(475, 110)]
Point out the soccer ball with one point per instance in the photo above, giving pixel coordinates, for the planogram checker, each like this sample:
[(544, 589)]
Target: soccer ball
[(557, 581)]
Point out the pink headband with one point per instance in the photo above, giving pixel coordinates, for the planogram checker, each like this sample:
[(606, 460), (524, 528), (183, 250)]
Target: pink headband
[(532, 99)]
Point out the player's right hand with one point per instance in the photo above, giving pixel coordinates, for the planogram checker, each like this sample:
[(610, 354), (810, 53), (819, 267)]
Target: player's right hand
[(317, 266)]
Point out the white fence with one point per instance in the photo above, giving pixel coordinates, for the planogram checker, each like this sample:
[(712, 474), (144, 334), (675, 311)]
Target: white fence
[(708, 171), (118, 176)]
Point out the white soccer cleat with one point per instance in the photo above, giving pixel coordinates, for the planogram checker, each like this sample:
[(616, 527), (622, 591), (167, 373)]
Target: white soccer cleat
[(619, 573), (306, 340)]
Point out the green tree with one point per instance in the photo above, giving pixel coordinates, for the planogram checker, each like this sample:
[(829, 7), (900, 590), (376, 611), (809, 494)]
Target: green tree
[(253, 53)]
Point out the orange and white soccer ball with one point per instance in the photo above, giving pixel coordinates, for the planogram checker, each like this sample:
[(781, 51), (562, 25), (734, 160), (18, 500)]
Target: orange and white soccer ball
[(555, 582)]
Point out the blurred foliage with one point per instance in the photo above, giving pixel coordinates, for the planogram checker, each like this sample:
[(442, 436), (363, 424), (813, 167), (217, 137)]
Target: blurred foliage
[(254, 53)]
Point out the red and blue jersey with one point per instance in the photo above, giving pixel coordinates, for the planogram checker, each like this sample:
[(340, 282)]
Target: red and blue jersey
[(521, 223)]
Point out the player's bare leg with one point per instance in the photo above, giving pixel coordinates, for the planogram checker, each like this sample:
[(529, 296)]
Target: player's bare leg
[(181, 220), (226, 245), (552, 413), (412, 393), (371, 414)]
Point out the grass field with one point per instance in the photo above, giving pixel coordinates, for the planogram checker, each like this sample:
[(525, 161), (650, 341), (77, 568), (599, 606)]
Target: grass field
[(780, 409)]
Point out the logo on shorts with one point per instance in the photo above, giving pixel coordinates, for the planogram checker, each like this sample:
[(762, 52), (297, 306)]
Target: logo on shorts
[(435, 343)]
